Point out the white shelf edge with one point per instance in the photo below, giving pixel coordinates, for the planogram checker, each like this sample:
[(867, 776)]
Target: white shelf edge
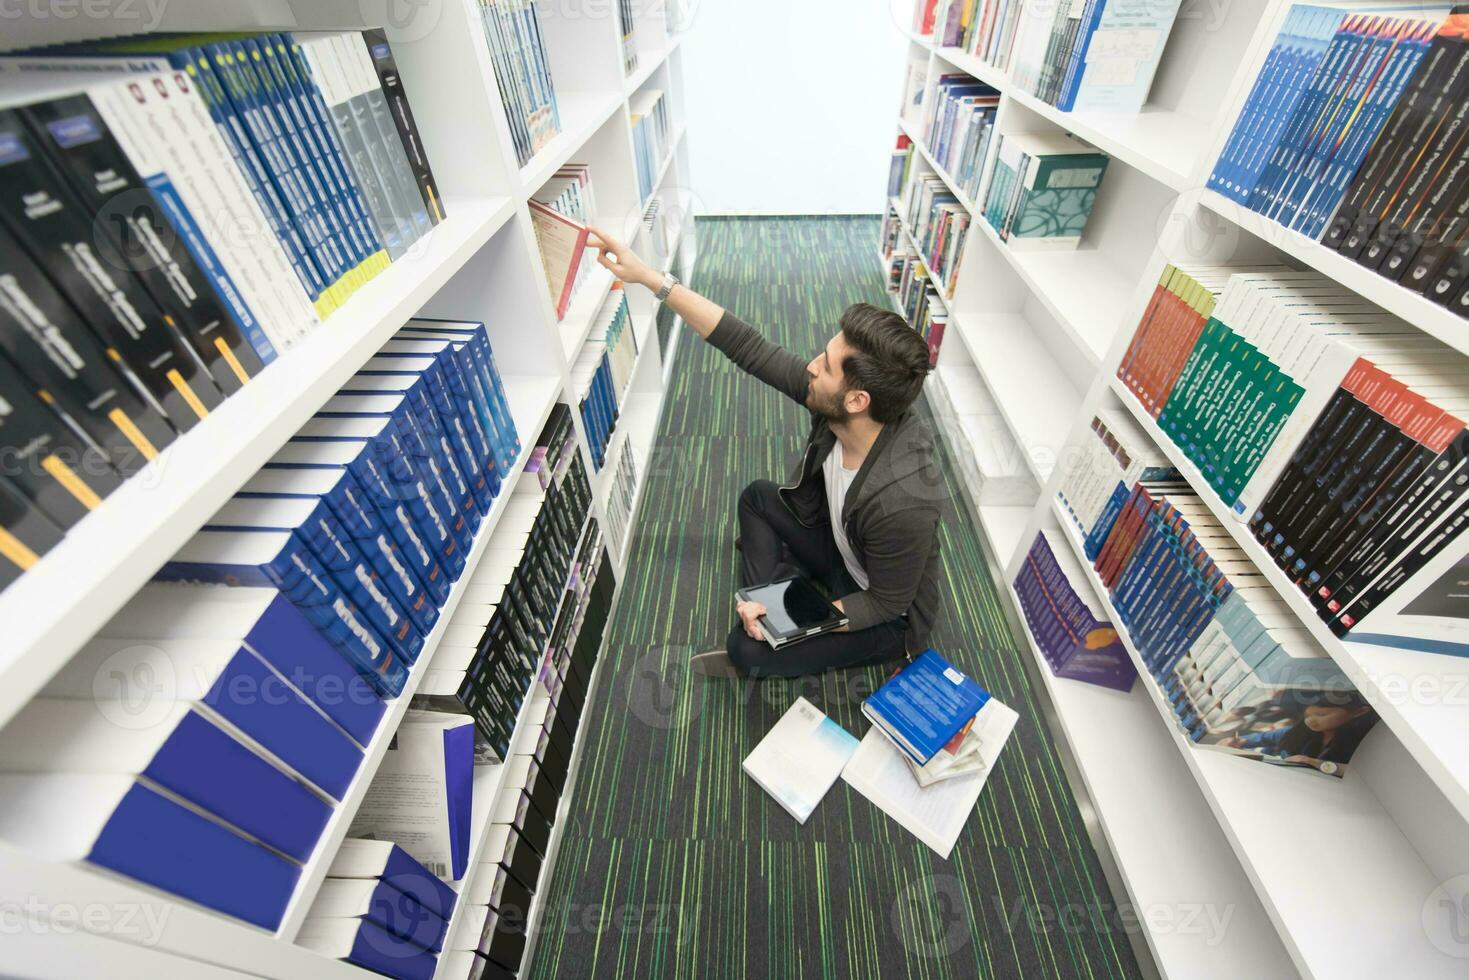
[(647, 66), (539, 396), (1441, 759), (1437, 321), (64, 599), (593, 110), (1371, 860)]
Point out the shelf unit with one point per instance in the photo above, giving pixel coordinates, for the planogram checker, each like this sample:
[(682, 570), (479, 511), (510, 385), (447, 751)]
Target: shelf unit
[(481, 263), (1040, 335)]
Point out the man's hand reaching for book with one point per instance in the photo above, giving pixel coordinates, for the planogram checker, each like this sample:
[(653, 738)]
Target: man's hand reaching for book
[(622, 261), (750, 613)]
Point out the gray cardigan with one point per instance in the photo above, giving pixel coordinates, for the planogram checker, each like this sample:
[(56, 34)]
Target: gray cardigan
[(891, 513)]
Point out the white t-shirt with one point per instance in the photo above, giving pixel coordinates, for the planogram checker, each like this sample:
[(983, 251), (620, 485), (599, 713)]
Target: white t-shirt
[(838, 482)]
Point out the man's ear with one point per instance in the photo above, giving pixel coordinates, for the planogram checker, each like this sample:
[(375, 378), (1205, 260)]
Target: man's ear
[(857, 401)]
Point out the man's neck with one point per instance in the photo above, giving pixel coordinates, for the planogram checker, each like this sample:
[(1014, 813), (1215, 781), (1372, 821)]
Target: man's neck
[(856, 436)]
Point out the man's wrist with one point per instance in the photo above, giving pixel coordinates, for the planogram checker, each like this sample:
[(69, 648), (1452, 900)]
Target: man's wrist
[(652, 279)]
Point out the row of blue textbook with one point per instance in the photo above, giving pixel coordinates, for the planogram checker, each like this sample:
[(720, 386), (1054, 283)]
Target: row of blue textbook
[(203, 738)]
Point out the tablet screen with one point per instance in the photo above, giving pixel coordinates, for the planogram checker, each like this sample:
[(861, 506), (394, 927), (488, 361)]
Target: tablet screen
[(793, 606)]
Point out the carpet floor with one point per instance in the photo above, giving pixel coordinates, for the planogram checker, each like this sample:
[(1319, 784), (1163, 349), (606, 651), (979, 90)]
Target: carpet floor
[(673, 862)]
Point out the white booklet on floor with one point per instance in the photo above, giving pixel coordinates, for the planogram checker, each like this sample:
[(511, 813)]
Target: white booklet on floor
[(798, 760), (937, 814)]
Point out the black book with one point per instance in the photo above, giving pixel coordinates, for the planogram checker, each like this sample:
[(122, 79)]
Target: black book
[(1444, 173), (392, 86), (25, 533), (1427, 99), (52, 225), (58, 470), (1341, 411), (1424, 268), (141, 236), (1452, 272), (45, 338)]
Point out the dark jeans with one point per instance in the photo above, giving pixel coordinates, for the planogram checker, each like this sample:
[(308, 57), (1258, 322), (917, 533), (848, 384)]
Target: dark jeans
[(774, 544)]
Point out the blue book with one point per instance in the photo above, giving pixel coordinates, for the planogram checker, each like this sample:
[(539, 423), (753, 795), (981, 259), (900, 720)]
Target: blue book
[(358, 517), (366, 448), (279, 559), (311, 522), (364, 943), (924, 705), (444, 351), (484, 353), (399, 913), (358, 858), (229, 684), (483, 384), (119, 824), (265, 623), (1091, 15), (177, 748)]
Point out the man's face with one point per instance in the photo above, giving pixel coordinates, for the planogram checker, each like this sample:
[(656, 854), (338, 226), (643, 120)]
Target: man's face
[(827, 396)]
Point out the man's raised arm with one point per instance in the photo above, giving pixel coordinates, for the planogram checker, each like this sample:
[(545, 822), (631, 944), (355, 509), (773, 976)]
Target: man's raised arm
[(737, 340)]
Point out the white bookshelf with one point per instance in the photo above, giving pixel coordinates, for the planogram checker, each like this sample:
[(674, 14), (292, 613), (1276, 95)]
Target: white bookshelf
[(1040, 335), (481, 263)]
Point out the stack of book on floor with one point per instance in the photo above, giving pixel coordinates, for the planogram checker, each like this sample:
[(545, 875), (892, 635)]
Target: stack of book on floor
[(380, 909), (984, 28), (1345, 458), (1239, 670), (560, 213), (497, 643), (1066, 621), (603, 371), (1042, 189), (961, 121), (938, 223), (1092, 56), (648, 113), (522, 74), (1353, 135)]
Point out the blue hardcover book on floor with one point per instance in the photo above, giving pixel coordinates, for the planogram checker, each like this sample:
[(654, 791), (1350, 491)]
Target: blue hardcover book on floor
[(179, 749), (117, 823), (227, 681), (269, 626), (364, 943), (359, 858), (924, 704)]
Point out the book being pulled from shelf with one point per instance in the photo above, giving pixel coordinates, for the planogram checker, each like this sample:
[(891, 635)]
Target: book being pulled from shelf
[(560, 212), (1066, 621), (961, 120), (1093, 55), (1042, 189), (512, 31), (1240, 672), (1346, 458), (647, 111), (800, 758)]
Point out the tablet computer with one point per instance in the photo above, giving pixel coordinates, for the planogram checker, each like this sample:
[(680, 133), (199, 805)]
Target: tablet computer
[(795, 610)]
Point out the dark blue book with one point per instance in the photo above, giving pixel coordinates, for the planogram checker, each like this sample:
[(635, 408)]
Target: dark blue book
[(399, 913), (364, 943), (383, 859), (921, 707)]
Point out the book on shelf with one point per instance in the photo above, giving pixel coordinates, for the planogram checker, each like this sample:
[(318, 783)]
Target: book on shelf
[(26, 534), (512, 31), (1042, 188), (603, 371), (379, 902), (362, 942), (800, 758), (1236, 666), (1067, 622), (938, 223), (925, 15), (620, 498), (1091, 56), (935, 814), (984, 28), (562, 240), (959, 128), (899, 168), (915, 84), (1115, 453), (627, 25), (363, 858), (648, 113)]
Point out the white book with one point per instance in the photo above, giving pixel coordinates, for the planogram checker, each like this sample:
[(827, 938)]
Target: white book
[(937, 814), (798, 760)]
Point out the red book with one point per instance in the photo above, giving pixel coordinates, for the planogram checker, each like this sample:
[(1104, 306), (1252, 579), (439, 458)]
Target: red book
[(562, 242)]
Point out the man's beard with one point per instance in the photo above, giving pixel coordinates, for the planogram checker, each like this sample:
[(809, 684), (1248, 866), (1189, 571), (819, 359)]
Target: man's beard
[(834, 410)]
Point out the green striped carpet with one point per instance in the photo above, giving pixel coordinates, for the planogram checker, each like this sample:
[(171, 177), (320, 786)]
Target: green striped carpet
[(673, 862)]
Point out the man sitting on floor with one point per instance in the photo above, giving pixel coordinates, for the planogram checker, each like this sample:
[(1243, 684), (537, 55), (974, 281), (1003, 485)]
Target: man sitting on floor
[(861, 514)]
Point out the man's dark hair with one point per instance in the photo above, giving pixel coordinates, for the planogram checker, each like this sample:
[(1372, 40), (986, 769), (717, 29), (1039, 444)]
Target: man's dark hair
[(888, 359)]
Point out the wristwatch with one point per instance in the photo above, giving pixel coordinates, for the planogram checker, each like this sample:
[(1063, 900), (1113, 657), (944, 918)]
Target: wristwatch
[(669, 281)]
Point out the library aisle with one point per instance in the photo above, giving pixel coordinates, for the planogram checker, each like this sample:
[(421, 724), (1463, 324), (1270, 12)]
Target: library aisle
[(673, 863)]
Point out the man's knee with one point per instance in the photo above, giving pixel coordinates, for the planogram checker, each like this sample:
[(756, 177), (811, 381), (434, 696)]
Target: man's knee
[(756, 495), (746, 654)]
